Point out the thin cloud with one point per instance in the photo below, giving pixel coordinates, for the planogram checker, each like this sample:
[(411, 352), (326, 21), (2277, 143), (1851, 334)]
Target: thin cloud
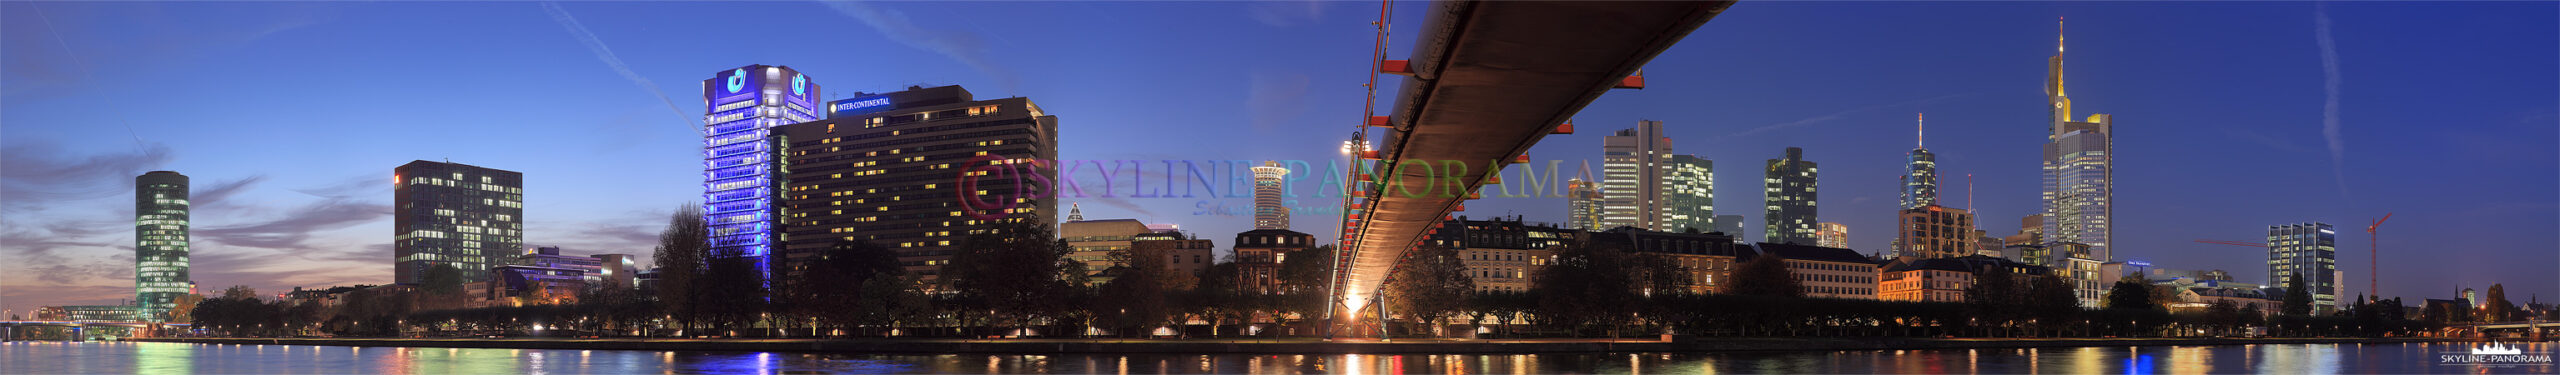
[(1838, 115), (605, 54), (294, 231), (351, 188), (34, 175), (221, 192), (2329, 109), (966, 47)]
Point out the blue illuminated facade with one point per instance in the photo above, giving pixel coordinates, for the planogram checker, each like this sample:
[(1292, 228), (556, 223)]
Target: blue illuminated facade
[(741, 161)]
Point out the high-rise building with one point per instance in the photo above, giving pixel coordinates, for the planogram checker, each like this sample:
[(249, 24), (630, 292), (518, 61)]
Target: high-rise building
[(1920, 179), (1790, 215), (1632, 171), (1583, 205), (1831, 235), (742, 193), (1934, 231), (890, 168), (2079, 171), (159, 242), (1689, 195), (2309, 250), (455, 214), (1268, 210), (1729, 225)]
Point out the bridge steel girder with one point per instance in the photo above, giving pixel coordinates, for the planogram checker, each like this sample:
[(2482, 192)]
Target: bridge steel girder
[(1490, 79)]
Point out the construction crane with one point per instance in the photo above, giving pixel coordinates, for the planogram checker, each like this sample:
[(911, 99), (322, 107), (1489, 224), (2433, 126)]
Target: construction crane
[(2373, 275)]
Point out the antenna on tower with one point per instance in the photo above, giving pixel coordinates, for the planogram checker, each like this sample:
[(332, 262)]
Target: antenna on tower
[(1924, 130)]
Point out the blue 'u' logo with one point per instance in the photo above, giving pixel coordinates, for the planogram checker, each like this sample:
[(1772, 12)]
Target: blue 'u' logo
[(799, 84), (737, 80)]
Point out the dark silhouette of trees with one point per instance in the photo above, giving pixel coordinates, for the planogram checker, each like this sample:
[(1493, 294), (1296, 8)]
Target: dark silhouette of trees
[(2494, 306), (2131, 294), (1014, 268), (1766, 275), (1589, 286), (1134, 300), (730, 291), (2297, 296), (1432, 286), (1994, 298), (2052, 303), (679, 260), (831, 283)]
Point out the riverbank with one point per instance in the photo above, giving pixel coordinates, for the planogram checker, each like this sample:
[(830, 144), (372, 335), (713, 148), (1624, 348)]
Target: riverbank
[(1272, 346)]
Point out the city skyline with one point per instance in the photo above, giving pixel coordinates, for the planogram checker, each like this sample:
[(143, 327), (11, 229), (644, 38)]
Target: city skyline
[(608, 161)]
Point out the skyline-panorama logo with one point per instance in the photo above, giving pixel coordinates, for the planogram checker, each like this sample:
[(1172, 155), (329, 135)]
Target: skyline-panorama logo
[(2494, 354)]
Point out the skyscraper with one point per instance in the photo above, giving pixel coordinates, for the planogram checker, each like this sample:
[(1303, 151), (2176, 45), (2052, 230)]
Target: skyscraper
[(159, 242), (1583, 205), (1831, 235), (1268, 212), (454, 214), (1689, 195), (2079, 171), (890, 169), (2310, 250), (741, 196), (1632, 172), (1790, 194), (1920, 180)]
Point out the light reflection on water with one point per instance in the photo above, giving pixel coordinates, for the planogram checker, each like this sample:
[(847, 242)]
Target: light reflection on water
[(113, 357)]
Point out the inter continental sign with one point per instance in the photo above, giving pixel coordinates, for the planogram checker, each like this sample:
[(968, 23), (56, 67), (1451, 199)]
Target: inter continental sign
[(858, 105)]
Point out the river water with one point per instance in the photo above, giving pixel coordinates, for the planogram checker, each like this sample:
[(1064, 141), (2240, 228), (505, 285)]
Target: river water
[(115, 358)]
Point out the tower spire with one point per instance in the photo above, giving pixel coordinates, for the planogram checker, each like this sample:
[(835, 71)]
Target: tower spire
[(1924, 130)]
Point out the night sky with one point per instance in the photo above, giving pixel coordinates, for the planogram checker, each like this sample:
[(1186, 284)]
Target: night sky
[(290, 116)]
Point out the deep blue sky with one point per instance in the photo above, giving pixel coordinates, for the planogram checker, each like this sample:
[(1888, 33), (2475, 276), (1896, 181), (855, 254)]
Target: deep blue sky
[(290, 116)]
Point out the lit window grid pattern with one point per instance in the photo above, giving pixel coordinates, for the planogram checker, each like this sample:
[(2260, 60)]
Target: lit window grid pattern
[(1937, 233), (1632, 182), (2079, 189), (740, 195), (160, 242), (1790, 202), (2309, 248), (1920, 183), (1583, 205), (1268, 210), (1689, 192), (925, 223), (466, 216)]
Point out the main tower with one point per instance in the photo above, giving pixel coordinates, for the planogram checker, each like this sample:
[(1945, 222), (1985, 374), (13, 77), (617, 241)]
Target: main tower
[(2079, 171)]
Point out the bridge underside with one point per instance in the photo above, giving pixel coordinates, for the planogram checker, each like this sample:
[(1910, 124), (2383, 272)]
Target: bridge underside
[(1489, 80)]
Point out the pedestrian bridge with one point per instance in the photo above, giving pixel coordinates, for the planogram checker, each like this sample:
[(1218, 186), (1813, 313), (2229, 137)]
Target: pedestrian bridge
[(1488, 79)]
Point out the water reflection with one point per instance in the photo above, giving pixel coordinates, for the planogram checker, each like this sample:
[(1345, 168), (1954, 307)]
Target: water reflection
[(109, 357)]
